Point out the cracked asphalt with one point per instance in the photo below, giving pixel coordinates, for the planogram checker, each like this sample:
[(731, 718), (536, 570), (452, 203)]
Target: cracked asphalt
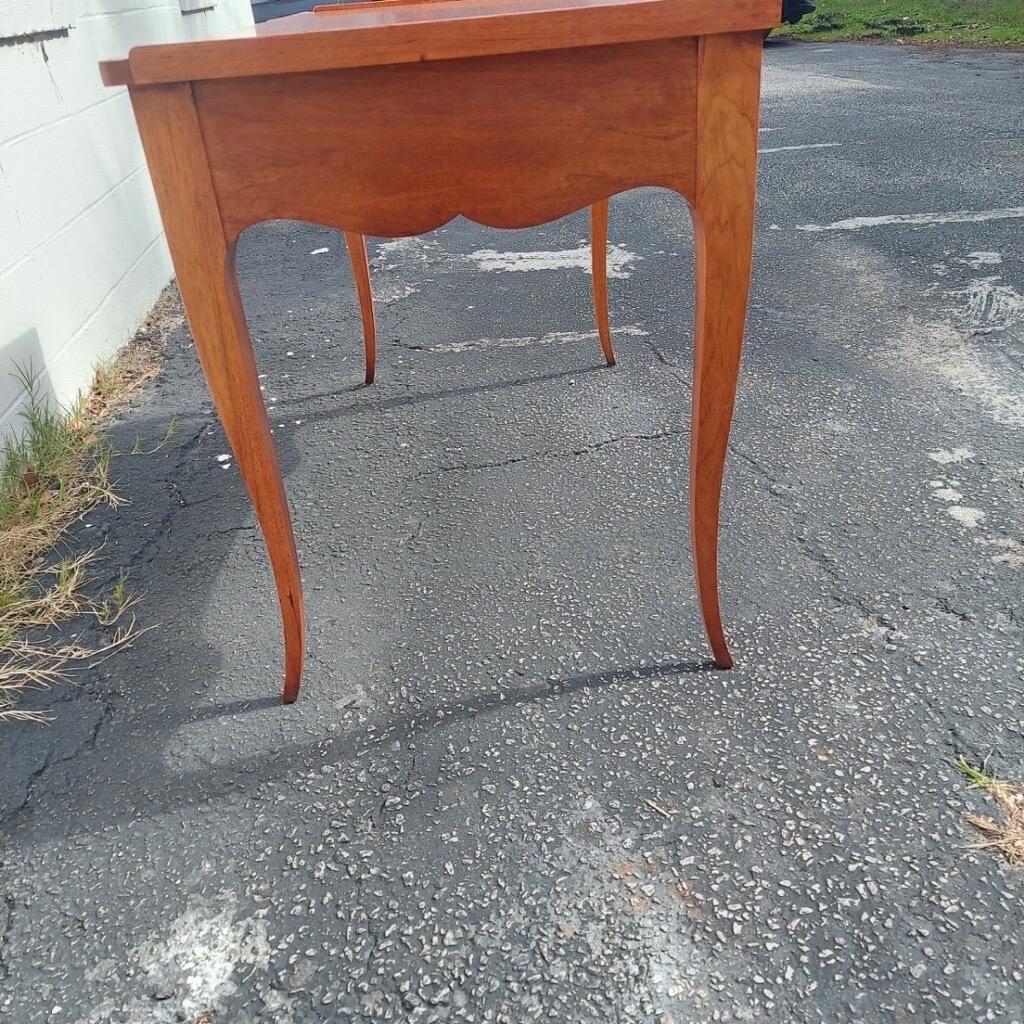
[(512, 788)]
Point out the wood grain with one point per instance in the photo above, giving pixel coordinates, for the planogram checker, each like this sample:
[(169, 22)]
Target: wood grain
[(360, 264), (205, 267), (115, 72), (507, 141), (415, 33), (599, 273), (723, 223), (521, 136), (356, 245)]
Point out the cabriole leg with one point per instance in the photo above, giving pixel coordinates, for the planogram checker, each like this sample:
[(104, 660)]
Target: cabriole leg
[(599, 266), (723, 224), (361, 274), (205, 266)]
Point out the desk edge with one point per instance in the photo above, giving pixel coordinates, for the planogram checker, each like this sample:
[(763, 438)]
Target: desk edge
[(414, 42)]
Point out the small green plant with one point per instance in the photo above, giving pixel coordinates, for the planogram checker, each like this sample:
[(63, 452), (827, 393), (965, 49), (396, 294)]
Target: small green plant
[(137, 448), (40, 464), (1005, 837), (53, 469), (976, 776), (109, 610)]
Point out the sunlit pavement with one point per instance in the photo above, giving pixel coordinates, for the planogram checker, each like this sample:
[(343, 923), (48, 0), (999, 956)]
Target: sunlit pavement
[(512, 789)]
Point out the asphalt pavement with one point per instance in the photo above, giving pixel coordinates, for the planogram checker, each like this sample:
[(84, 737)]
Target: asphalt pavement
[(513, 789)]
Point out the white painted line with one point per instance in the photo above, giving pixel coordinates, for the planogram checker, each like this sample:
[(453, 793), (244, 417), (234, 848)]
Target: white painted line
[(963, 362), (953, 217), (982, 258), (619, 259), (810, 145), (798, 85), (948, 456), (554, 338), (966, 516), (400, 245), (393, 291), (946, 493), (425, 251)]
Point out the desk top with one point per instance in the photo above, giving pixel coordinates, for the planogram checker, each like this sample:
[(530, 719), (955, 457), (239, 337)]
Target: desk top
[(397, 32)]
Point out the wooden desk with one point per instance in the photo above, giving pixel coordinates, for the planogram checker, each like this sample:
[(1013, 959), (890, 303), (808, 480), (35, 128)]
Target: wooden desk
[(392, 120)]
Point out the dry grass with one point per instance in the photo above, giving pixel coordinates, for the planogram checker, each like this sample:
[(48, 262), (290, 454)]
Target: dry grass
[(51, 473), (1005, 837)]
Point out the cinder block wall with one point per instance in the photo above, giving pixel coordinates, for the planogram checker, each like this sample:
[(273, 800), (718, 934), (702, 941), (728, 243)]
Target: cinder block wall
[(82, 255)]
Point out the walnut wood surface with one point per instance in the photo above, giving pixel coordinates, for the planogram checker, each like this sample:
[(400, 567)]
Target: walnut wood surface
[(509, 140)]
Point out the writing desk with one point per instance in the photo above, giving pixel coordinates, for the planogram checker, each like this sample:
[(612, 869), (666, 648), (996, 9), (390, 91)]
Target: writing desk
[(390, 120)]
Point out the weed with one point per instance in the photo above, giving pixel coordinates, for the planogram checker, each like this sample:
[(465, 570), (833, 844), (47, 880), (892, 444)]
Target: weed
[(120, 600), (53, 470), (975, 775), (137, 448), (1005, 837)]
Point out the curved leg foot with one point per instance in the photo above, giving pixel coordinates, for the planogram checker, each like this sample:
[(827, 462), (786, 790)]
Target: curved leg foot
[(361, 273), (721, 285), (599, 265), (205, 267), (723, 226), (234, 385)]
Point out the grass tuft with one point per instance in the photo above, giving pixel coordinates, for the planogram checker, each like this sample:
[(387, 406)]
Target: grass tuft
[(976, 776), (110, 609), (972, 22), (53, 470), (1005, 837)]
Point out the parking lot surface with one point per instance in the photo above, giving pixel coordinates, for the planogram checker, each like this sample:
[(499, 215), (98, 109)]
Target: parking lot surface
[(513, 789)]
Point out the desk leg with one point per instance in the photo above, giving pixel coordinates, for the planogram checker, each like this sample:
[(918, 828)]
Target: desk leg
[(361, 274), (599, 262), (599, 266), (723, 219), (205, 268)]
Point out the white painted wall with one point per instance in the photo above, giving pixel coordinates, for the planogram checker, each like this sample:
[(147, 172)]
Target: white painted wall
[(82, 255)]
